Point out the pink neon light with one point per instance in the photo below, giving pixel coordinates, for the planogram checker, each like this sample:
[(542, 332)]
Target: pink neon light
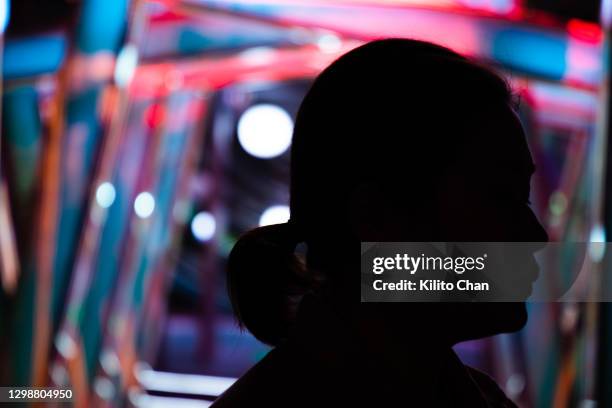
[(585, 31)]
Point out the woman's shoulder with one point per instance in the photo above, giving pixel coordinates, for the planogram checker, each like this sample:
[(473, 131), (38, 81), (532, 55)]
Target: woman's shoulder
[(257, 385), (277, 380)]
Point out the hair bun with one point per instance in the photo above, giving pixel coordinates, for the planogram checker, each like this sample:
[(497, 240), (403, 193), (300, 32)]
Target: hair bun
[(265, 277)]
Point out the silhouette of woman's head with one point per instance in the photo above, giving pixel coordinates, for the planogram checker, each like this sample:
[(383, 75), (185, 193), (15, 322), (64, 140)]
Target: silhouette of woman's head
[(397, 140)]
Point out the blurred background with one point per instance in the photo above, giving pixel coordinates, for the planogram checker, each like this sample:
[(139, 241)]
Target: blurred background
[(140, 138)]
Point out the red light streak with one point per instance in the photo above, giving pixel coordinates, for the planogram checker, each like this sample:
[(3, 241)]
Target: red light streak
[(585, 31)]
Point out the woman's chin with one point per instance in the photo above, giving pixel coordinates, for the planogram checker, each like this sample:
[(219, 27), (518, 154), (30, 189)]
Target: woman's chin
[(515, 317), (490, 319)]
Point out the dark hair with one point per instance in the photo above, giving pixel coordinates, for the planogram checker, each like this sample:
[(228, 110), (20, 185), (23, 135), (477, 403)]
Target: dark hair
[(361, 117)]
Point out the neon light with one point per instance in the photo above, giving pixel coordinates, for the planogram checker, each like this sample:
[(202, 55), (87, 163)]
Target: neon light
[(277, 214), (265, 130), (329, 43), (597, 243), (5, 11), (606, 13), (150, 401), (190, 384), (203, 226), (127, 60), (105, 194), (585, 31), (33, 56), (144, 205)]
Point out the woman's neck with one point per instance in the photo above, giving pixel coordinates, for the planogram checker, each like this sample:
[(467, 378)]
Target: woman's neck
[(369, 353)]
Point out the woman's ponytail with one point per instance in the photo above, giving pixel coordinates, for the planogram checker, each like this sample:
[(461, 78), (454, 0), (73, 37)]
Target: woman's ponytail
[(266, 279)]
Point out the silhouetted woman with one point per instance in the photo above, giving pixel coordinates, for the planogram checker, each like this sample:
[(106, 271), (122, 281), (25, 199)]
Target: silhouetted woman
[(397, 140)]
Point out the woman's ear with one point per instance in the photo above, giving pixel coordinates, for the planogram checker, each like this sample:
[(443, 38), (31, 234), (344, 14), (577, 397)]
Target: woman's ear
[(383, 214), (368, 209)]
